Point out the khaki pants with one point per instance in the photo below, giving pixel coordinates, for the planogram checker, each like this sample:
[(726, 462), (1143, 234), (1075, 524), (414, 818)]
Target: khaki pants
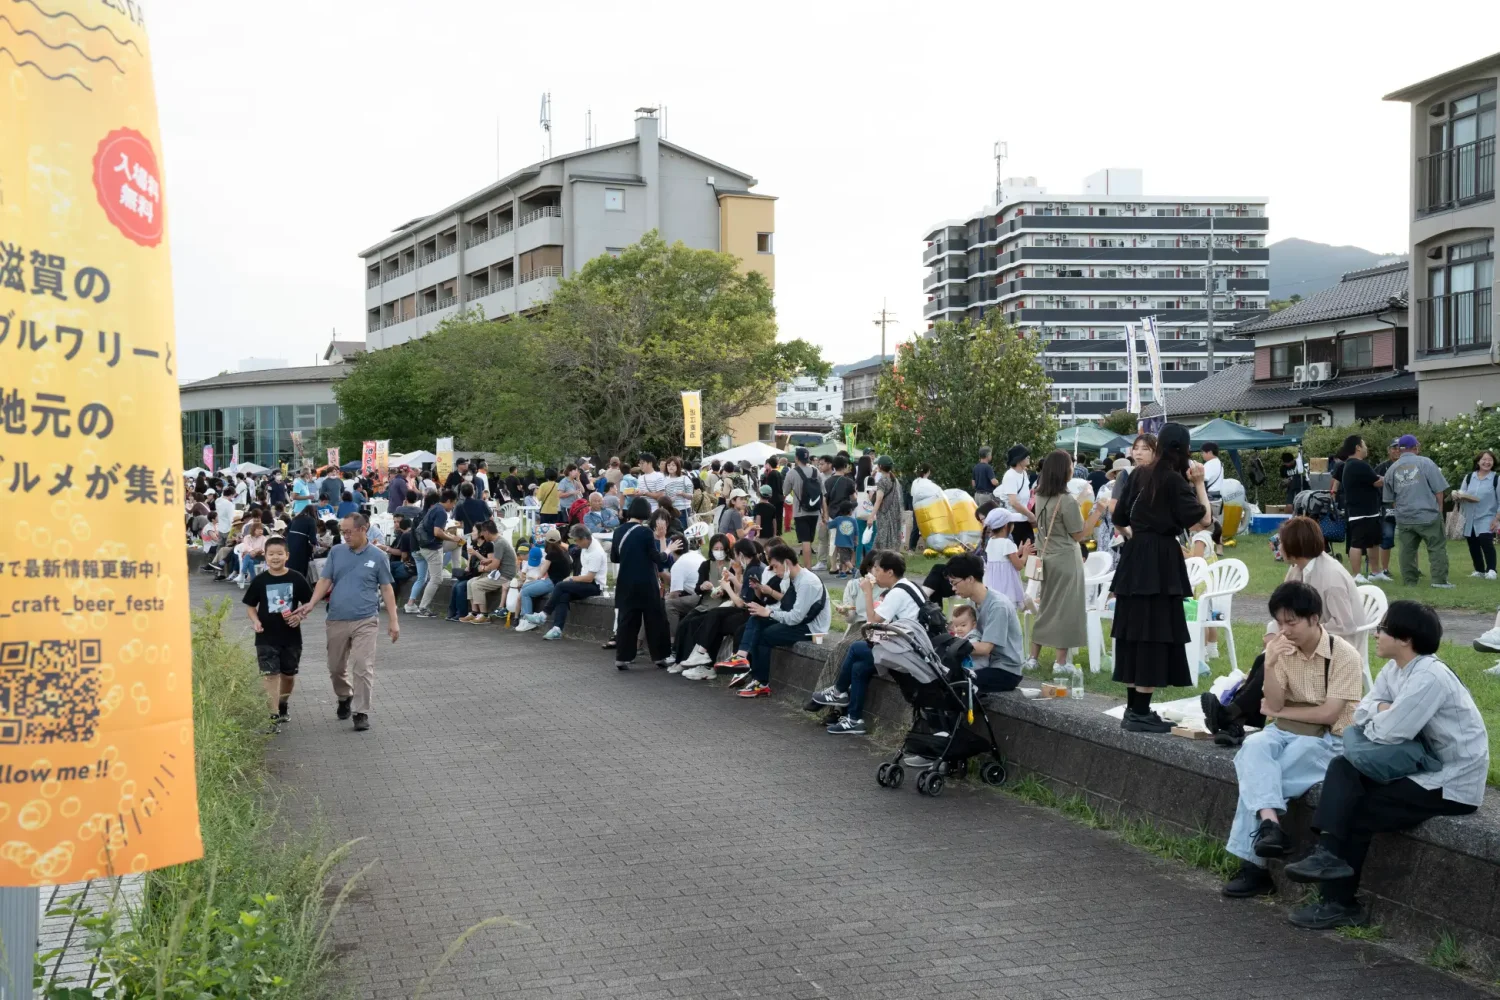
[(351, 644), (434, 560), (481, 588)]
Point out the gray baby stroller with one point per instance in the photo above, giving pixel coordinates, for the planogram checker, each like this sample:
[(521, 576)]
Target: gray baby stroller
[(947, 712)]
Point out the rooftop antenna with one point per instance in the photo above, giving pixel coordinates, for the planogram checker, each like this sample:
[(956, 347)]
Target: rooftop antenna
[(1002, 151), (547, 124), (588, 129)]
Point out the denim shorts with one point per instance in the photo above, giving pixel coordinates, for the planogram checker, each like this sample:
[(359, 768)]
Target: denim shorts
[(281, 660)]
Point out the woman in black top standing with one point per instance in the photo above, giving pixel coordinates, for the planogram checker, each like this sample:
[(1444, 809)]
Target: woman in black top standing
[(641, 553), (1159, 502)]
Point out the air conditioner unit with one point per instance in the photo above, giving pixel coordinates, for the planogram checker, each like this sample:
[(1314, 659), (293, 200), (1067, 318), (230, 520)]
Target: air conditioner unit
[(1320, 371), (1299, 374)]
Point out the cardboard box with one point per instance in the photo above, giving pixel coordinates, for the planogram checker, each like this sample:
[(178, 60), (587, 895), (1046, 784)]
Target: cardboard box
[(1317, 464), (1192, 734), (1054, 691)]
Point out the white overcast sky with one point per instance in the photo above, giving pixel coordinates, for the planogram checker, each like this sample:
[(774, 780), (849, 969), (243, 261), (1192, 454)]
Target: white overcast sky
[(296, 134)]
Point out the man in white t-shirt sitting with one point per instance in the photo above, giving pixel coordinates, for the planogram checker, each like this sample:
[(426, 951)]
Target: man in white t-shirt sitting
[(593, 567), (1213, 470), (682, 592), (902, 601)]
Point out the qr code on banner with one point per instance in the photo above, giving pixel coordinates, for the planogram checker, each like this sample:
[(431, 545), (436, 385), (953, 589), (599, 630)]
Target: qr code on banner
[(49, 690)]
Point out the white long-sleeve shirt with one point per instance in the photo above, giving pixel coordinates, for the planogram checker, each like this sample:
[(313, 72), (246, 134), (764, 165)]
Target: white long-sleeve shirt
[(807, 588), (1426, 698)]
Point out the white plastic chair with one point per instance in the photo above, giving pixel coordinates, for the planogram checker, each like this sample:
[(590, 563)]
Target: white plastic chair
[(1223, 580), (696, 532), (1375, 603), (1197, 570)]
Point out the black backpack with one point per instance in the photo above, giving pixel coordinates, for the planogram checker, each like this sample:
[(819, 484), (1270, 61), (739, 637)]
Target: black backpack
[(929, 613), (812, 490)]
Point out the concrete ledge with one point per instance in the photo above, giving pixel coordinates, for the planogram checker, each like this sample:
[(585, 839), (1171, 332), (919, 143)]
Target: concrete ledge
[(1444, 874)]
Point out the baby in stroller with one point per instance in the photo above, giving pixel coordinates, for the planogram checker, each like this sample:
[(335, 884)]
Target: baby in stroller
[(945, 735)]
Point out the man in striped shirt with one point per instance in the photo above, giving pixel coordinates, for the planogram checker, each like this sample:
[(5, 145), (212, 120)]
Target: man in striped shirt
[(653, 484)]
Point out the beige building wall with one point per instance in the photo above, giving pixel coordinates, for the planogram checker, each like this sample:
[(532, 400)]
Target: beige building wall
[(747, 229)]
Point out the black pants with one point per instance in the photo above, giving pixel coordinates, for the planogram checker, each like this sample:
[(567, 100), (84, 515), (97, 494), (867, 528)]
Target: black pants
[(1482, 551), (709, 629), (658, 637), (1023, 532), (1244, 707), (1353, 808)]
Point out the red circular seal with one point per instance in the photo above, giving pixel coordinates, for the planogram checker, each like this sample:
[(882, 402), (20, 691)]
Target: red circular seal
[(127, 181)]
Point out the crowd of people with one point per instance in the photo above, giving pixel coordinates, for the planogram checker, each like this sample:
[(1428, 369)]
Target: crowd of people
[(706, 579)]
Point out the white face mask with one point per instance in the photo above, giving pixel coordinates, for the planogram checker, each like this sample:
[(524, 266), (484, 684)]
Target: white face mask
[(718, 554)]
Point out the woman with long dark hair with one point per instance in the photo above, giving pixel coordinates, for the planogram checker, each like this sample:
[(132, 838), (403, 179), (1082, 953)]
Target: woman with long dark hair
[(642, 553), (1150, 630), (700, 636), (1061, 620)]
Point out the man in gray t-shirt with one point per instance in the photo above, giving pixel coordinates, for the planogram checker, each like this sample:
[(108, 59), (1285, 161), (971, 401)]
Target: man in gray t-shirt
[(359, 577), (1414, 487), (997, 655)]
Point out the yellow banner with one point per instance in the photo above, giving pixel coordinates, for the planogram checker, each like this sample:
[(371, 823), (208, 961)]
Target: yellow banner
[(444, 459), (96, 721), (383, 459), (692, 419)]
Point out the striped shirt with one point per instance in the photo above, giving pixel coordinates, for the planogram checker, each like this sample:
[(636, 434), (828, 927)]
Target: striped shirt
[(653, 482), (679, 490)]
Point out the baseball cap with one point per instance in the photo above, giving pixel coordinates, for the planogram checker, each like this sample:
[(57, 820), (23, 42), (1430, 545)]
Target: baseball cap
[(765, 491), (1121, 465), (1406, 441), (552, 536), (736, 494)]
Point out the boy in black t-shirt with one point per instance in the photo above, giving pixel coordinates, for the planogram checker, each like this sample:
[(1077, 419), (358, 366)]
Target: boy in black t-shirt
[(278, 644)]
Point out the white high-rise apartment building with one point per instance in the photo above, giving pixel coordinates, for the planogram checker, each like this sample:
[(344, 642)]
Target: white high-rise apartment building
[(1076, 269)]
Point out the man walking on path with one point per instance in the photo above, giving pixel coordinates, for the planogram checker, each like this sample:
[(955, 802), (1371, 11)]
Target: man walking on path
[(359, 576), (807, 505), (431, 532), (1414, 486)]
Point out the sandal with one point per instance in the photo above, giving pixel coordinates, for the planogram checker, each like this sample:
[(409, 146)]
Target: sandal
[(608, 645)]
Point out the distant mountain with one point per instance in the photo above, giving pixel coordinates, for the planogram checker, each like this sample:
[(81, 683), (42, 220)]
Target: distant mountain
[(1301, 267), (840, 370)]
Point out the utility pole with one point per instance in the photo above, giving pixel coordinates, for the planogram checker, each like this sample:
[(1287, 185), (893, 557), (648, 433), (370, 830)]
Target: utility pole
[(886, 318)]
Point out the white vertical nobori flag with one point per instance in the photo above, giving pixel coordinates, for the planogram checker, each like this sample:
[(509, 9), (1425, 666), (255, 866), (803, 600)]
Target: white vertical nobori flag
[(1153, 358), (1132, 376)]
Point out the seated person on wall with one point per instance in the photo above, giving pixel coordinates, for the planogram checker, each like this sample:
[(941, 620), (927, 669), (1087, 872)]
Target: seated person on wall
[(601, 520), (495, 570), (804, 609), (593, 566), (903, 600), (997, 653), (1313, 680), (1415, 698)]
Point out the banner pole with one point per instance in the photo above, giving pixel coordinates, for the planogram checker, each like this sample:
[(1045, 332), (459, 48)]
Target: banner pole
[(19, 920)]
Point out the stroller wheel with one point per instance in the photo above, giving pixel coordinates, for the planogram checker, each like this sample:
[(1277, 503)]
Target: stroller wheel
[(894, 776), (922, 782), (882, 775), (934, 784), (993, 773)]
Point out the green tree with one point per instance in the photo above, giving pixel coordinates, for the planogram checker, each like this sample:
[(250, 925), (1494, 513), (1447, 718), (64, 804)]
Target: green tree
[(965, 386), (866, 430), (1120, 422), (623, 337)]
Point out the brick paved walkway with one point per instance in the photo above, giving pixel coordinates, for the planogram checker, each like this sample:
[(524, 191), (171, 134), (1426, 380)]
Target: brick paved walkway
[(660, 839)]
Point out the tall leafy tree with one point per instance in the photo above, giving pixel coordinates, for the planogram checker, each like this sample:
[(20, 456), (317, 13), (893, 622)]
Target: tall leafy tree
[(964, 386)]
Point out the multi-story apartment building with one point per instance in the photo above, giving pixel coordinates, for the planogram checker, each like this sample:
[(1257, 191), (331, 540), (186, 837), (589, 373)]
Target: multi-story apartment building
[(811, 398), (1454, 218), (1076, 269), (860, 384), (504, 247)]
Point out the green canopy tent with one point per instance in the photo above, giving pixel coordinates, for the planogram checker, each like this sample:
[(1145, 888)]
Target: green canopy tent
[(1083, 438), (1234, 438)]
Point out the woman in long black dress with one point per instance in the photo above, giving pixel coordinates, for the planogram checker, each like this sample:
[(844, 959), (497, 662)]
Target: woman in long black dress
[(1159, 502), (642, 553)]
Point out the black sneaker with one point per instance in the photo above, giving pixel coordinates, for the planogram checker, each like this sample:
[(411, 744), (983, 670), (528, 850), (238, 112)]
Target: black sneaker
[(1150, 722), (453, 618), (283, 710), (1322, 865), (622, 665), (1214, 716), (361, 722), (1271, 840), (275, 725), (426, 613), (1231, 735), (1328, 915), (1252, 880), (343, 712)]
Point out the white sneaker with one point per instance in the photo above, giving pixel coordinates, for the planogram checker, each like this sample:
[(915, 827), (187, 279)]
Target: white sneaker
[(674, 668), (1490, 575), (820, 567), (698, 658), (702, 672), (1361, 578), (537, 617), (1489, 642), (1030, 664), (1493, 671), (1478, 574), (409, 608), (525, 625), (1443, 586), (1383, 577)]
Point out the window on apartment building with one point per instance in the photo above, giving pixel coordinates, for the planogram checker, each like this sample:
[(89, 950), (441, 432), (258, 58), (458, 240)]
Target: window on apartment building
[(1166, 243), (1284, 359), (1166, 211), (1107, 304), (1469, 267), (1462, 121), (765, 432), (614, 199), (1357, 352), (763, 242), (614, 252)]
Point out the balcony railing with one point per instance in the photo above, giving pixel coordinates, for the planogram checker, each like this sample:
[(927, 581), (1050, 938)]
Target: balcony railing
[(373, 281), (497, 229), (438, 254), (392, 320), (942, 274), (436, 305), (545, 212), (547, 271), (1453, 177), (477, 292), (1454, 324), (398, 271)]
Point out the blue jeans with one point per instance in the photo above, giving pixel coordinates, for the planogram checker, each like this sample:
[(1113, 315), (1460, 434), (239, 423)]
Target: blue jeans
[(763, 635), (1274, 766), (421, 581), (458, 599), (854, 676), (247, 566), (533, 590), (565, 592)]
